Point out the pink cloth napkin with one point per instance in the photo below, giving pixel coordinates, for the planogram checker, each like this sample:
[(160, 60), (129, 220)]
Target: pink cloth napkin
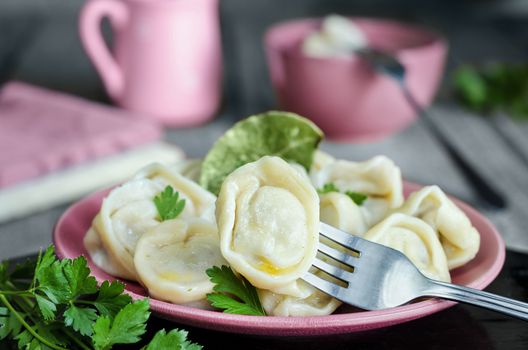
[(42, 131)]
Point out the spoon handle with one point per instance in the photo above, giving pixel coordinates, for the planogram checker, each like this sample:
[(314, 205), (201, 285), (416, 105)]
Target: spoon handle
[(482, 187)]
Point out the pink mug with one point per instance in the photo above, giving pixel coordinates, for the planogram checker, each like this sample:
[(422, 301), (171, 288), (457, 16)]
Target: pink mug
[(166, 60)]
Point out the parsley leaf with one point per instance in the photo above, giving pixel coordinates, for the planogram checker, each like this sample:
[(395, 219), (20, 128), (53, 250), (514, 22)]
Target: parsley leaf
[(227, 282), (81, 319), (9, 324), (47, 308), (125, 328), (327, 188), (168, 204), (111, 298), (174, 340), (51, 304), (356, 197), (78, 276)]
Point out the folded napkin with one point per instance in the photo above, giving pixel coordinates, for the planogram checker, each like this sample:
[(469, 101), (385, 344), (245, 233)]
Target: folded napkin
[(55, 148)]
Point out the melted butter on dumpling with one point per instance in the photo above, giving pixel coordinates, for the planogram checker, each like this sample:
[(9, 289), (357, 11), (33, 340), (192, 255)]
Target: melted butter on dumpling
[(268, 220), (460, 240), (414, 238), (171, 259), (273, 236)]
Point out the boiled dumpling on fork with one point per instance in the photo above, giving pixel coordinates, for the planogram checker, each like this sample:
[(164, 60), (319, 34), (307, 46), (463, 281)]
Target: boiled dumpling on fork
[(129, 211), (377, 178), (414, 238), (268, 220), (172, 257), (461, 241)]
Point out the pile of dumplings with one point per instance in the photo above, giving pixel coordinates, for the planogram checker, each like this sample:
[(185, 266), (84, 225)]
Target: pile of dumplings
[(264, 224)]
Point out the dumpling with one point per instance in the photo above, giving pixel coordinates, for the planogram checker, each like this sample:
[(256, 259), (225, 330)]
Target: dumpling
[(321, 159), (378, 178), (414, 238), (198, 201), (268, 221), (190, 168), (338, 210), (313, 302), (127, 213), (99, 255), (172, 257), (461, 241)]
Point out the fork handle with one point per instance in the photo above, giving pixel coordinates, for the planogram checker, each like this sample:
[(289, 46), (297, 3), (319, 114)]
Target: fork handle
[(476, 297)]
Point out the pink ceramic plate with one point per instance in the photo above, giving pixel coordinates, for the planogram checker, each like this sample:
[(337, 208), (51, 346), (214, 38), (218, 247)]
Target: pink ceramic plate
[(74, 223)]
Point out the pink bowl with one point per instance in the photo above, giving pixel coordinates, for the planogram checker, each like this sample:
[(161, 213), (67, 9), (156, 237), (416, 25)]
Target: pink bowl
[(343, 95), (478, 273)]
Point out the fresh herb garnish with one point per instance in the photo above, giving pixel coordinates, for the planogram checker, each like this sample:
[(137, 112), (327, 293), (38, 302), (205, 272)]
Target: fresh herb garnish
[(52, 304), (169, 204), (356, 197), (491, 88), (174, 340), (274, 133), (327, 188), (226, 281)]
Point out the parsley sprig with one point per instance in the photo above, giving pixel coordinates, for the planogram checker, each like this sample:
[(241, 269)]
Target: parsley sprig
[(356, 197), (53, 304), (169, 204), (233, 295)]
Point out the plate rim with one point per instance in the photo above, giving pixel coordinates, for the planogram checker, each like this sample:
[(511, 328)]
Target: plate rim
[(297, 326)]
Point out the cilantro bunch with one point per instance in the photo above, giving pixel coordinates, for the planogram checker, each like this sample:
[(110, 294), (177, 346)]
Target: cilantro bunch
[(52, 304)]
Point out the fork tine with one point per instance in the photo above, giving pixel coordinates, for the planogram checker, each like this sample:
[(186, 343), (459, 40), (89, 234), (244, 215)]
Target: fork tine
[(346, 240), (340, 256), (324, 285), (332, 270)]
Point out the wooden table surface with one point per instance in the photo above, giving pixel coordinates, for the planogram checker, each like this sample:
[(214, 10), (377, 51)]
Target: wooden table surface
[(497, 146)]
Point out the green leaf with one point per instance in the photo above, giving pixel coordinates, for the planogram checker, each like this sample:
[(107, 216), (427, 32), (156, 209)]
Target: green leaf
[(111, 298), (471, 87), (81, 319), (327, 188), (45, 261), (78, 276), (126, 328), (53, 283), (47, 308), (24, 339), (174, 340), (226, 281), (274, 133), (357, 197), (4, 275), (168, 204), (9, 324)]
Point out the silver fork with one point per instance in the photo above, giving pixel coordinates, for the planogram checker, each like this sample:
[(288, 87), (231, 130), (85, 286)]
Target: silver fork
[(383, 277)]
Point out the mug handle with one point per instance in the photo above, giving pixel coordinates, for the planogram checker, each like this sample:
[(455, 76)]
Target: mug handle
[(90, 31)]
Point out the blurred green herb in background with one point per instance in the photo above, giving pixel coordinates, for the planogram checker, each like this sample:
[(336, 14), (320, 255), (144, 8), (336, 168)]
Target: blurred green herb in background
[(501, 87)]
